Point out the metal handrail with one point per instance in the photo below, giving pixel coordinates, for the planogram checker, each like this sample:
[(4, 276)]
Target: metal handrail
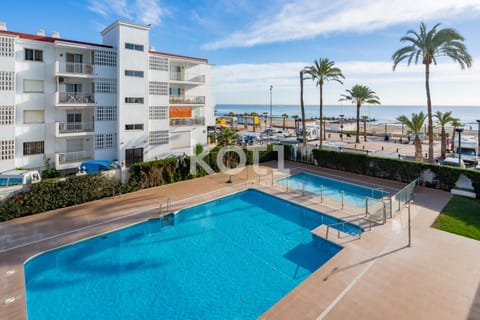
[(357, 217)]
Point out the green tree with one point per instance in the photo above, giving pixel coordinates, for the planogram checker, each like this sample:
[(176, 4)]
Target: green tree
[(428, 45), (360, 95), (415, 125), (284, 116), (443, 119), (324, 70), (364, 120), (227, 136), (455, 124)]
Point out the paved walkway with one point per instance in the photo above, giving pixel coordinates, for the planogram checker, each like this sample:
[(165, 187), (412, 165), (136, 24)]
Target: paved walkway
[(376, 277)]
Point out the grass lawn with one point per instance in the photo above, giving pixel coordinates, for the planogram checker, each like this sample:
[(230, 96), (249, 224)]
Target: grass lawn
[(460, 216)]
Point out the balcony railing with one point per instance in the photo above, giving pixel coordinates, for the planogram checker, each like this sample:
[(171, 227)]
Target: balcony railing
[(77, 68), (71, 157), (199, 121), (187, 99), (72, 127), (185, 76), (75, 97)]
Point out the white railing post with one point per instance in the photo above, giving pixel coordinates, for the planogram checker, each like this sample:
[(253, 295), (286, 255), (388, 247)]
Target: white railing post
[(366, 206), (343, 193), (321, 193)]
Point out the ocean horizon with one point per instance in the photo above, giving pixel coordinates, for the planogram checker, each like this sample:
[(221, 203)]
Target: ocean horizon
[(468, 115)]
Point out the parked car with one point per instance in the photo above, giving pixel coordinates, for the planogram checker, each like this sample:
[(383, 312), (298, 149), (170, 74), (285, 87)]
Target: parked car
[(270, 132), (284, 133), (94, 166), (453, 162), (19, 177), (248, 138)]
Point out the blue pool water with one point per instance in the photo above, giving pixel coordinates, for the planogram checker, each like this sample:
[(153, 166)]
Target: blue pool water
[(353, 194), (231, 258)]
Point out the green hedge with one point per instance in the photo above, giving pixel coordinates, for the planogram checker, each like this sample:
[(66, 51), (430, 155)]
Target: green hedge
[(394, 169)]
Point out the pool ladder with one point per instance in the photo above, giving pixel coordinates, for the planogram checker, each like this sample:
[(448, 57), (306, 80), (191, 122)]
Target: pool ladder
[(168, 206)]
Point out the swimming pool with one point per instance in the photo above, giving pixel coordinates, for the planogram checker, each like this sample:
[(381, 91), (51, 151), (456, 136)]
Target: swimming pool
[(231, 258), (353, 193)]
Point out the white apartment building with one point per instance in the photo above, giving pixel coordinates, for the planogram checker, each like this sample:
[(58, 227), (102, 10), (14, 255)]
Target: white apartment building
[(71, 101)]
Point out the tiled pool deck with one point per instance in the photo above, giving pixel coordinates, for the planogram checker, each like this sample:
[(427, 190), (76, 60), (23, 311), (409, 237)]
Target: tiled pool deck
[(376, 277)]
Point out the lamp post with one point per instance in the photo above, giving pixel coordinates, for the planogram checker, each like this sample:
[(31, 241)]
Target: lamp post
[(271, 87), (459, 131), (341, 126)]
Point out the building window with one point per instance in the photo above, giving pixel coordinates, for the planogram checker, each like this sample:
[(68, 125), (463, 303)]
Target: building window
[(134, 73), (7, 149), (157, 112), (106, 113), (106, 86), (133, 46), (7, 81), (158, 63), (35, 147), (33, 55), (7, 115), (158, 88), (104, 141), (99, 141), (7, 47), (33, 116), (33, 86), (133, 100), (134, 126), (105, 57), (158, 137)]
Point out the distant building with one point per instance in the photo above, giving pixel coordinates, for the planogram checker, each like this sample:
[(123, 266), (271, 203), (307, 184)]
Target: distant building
[(71, 101)]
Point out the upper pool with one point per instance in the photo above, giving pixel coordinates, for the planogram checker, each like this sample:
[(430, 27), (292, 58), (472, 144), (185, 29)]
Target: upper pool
[(352, 193), (231, 258)]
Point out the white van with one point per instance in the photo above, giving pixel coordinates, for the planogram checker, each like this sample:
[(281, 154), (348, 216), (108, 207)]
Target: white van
[(312, 133), (19, 177)]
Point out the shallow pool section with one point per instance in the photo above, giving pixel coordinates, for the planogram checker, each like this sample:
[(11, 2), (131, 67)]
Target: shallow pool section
[(330, 188), (231, 258)]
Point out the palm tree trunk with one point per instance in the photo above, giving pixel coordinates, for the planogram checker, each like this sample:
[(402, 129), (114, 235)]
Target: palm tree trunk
[(443, 147), (357, 139), (418, 148), (429, 110), (321, 115), (365, 130), (304, 131), (452, 143)]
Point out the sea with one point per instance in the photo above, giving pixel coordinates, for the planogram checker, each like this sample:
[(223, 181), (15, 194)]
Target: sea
[(379, 113)]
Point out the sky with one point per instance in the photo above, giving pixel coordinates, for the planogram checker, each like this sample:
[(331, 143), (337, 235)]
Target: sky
[(257, 44)]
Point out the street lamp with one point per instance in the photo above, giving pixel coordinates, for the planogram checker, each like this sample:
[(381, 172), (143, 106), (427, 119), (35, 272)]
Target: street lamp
[(459, 131), (271, 87), (341, 126)]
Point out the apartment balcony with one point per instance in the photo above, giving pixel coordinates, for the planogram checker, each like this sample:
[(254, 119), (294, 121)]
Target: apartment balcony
[(199, 121), (75, 69), (196, 78), (68, 160), (70, 129), (75, 98), (187, 99)]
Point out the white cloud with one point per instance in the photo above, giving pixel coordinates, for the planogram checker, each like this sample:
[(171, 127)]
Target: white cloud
[(304, 19), (145, 11), (249, 83)]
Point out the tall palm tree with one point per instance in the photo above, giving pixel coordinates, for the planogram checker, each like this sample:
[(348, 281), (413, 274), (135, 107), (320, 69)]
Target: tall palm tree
[(302, 107), (455, 124), (415, 124), (443, 119), (324, 128), (364, 120), (360, 95), (428, 45), (284, 116), (227, 137), (324, 70)]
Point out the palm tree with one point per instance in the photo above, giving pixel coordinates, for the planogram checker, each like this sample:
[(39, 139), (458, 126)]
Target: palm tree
[(364, 119), (429, 45), (227, 136), (324, 128), (415, 124), (443, 119), (284, 116), (455, 124), (324, 70), (360, 95), (302, 107), (295, 117)]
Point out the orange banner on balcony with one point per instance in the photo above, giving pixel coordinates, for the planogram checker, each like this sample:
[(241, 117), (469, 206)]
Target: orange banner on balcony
[(180, 112)]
